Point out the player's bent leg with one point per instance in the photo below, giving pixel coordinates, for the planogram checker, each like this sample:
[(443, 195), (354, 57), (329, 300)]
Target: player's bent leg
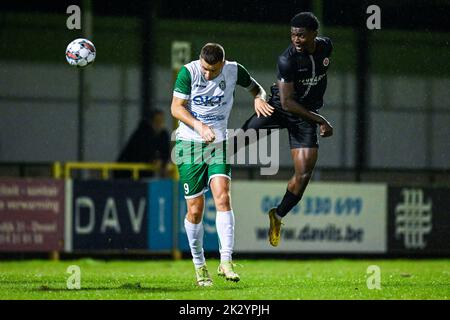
[(220, 187), (255, 123), (304, 162), (194, 230), (195, 208)]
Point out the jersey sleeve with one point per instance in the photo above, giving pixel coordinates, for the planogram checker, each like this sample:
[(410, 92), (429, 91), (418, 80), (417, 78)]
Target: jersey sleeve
[(244, 79), (285, 69), (182, 87)]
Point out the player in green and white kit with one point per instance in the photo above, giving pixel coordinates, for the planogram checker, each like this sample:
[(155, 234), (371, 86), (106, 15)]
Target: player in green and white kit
[(202, 100)]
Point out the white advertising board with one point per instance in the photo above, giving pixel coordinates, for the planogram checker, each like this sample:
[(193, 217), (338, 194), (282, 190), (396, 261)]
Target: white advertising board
[(330, 218)]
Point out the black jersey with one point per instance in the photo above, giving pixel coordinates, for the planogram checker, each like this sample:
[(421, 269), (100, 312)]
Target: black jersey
[(308, 72)]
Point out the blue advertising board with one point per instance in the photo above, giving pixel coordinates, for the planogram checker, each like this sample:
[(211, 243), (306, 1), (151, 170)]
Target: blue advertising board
[(160, 213), (109, 215)]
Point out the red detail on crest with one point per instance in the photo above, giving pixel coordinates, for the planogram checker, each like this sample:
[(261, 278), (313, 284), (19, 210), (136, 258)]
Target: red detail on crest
[(326, 62)]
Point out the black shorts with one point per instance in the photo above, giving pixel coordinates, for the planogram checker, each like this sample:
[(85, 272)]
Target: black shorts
[(302, 133)]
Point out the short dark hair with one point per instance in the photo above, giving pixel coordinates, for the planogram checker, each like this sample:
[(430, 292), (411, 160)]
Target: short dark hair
[(212, 53), (305, 20)]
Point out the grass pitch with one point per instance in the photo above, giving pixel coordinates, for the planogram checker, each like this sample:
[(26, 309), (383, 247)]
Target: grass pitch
[(260, 279)]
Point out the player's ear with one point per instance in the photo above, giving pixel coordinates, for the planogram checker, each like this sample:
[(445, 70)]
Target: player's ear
[(221, 64)]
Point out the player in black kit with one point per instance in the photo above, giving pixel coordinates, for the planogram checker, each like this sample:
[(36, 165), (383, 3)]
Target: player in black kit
[(297, 96)]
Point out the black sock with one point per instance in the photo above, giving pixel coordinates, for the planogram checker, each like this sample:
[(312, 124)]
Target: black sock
[(289, 201)]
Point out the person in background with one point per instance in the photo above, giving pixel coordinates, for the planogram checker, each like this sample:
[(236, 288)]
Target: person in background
[(150, 143)]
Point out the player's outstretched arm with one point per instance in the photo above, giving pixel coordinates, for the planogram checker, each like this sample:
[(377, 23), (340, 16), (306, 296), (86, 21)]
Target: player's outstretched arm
[(256, 90), (261, 105), (179, 112), (289, 104)]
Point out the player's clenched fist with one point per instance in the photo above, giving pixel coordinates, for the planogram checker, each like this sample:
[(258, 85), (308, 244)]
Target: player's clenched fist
[(326, 130), (206, 132)]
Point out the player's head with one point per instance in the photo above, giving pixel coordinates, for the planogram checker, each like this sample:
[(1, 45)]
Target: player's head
[(304, 26), (212, 59)]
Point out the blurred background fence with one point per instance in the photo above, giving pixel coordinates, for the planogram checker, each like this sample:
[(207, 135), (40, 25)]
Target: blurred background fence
[(408, 105)]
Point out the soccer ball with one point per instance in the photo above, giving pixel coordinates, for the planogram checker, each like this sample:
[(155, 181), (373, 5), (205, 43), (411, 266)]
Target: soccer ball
[(80, 52)]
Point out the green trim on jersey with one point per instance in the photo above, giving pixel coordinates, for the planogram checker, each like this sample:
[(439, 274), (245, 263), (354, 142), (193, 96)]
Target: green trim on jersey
[(243, 78), (183, 82)]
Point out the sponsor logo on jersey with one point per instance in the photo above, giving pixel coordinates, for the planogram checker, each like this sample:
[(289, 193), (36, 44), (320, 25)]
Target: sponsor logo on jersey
[(312, 81), (207, 100), (199, 86), (326, 61), (207, 117)]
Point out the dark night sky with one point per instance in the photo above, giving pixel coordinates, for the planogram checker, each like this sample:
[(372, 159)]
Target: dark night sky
[(400, 14)]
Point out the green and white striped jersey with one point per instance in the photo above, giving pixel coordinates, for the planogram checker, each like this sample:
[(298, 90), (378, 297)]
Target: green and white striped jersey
[(209, 101)]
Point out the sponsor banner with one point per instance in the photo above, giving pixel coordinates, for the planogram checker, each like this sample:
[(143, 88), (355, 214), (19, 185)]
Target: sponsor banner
[(210, 239), (419, 220), (31, 215), (109, 215), (160, 213), (331, 218)]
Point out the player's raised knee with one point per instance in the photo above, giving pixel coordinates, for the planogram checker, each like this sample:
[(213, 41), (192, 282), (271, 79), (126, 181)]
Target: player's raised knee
[(223, 201), (195, 211)]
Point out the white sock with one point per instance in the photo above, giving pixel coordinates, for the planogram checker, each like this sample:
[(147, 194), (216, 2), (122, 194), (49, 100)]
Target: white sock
[(195, 237), (225, 231)]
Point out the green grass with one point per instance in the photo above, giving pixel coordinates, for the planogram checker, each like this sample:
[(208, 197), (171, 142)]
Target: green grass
[(260, 279)]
